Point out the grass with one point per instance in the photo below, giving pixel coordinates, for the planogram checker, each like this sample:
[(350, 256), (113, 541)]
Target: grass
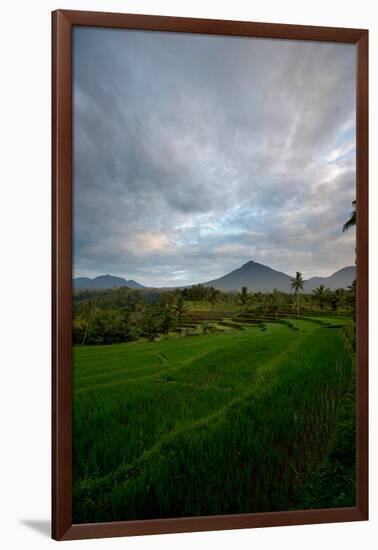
[(229, 422), (204, 305)]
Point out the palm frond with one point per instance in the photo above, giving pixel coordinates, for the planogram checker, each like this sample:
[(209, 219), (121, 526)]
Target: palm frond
[(352, 220)]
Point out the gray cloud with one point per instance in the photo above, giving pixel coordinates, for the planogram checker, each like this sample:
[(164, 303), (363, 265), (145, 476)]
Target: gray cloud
[(194, 154)]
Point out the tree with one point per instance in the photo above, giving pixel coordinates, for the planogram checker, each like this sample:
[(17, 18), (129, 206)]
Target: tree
[(133, 333), (89, 312), (275, 301), (296, 284), (352, 220), (179, 307), (266, 304), (321, 295), (206, 327), (195, 292), (167, 300), (212, 296), (150, 323), (243, 298), (336, 298), (352, 287), (167, 320), (351, 297)]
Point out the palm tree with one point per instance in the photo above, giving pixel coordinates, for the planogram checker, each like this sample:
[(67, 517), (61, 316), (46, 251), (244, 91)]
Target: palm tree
[(351, 297), (352, 220), (212, 296), (206, 327), (297, 285), (167, 320), (352, 287), (180, 307), (89, 313), (336, 298), (266, 304), (321, 294), (244, 298), (276, 300)]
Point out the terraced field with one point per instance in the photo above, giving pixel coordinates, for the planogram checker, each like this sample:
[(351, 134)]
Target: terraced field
[(229, 422)]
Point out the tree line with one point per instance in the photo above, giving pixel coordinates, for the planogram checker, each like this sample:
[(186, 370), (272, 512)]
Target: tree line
[(133, 314)]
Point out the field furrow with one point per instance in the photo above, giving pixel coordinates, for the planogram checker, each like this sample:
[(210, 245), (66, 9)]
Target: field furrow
[(159, 444)]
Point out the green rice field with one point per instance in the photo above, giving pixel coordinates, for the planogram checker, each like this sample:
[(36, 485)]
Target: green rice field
[(247, 419)]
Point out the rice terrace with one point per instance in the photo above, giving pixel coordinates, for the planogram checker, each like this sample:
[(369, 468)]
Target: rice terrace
[(238, 404)]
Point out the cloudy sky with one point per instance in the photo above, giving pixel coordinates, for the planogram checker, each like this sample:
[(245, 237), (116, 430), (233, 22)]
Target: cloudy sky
[(196, 154)]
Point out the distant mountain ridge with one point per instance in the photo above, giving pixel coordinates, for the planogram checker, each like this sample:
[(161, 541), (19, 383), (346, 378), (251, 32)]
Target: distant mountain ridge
[(255, 276), (261, 278), (340, 279), (103, 282)]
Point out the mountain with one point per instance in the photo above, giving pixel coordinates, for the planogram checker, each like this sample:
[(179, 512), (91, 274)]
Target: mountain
[(104, 281), (340, 279), (258, 277), (255, 276)]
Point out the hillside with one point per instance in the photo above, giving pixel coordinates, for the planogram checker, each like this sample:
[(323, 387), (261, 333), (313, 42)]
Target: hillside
[(255, 276), (261, 278), (104, 281), (340, 279)]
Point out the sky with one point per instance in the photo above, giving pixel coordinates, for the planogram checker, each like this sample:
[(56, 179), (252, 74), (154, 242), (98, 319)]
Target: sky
[(195, 154)]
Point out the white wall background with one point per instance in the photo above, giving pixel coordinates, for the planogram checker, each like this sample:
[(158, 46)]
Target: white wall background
[(25, 270)]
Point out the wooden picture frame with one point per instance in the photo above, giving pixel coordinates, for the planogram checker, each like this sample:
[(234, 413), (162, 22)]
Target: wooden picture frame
[(62, 24)]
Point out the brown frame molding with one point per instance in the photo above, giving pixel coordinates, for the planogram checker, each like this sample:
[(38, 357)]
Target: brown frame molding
[(62, 23)]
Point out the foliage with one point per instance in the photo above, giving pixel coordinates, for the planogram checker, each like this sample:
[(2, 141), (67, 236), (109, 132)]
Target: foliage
[(321, 295), (125, 315), (333, 483), (297, 285), (212, 296), (180, 308), (352, 220), (244, 298)]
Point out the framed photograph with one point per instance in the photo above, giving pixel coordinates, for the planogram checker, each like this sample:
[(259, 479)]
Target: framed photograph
[(210, 274)]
